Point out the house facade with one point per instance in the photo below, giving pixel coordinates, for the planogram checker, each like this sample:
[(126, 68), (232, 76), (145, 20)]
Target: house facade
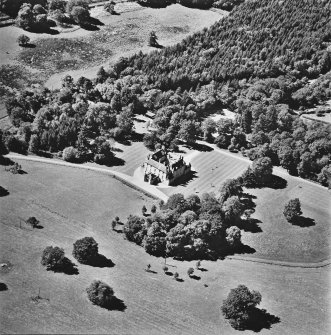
[(166, 168)]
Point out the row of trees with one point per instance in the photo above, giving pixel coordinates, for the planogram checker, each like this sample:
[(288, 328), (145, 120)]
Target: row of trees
[(39, 15), (66, 121), (85, 251)]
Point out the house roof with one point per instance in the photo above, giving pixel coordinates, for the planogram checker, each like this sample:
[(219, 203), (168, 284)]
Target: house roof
[(157, 165), (150, 114)]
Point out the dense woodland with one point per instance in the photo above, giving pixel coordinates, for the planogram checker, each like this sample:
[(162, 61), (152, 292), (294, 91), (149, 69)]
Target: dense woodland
[(267, 61)]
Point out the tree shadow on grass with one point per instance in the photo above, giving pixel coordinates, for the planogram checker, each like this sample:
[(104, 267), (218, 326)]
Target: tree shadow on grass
[(115, 161), (116, 304), (44, 30), (248, 203), (158, 46), (38, 226), (101, 261), (95, 21), (29, 45), (151, 271), (261, 319), (181, 280), (137, 137), (169, 273), (89, 27), (195, 277), (250, 225), (199, 147), (240, 249), (67, 267), (186, 179), (6, 161), (304, 222), (276, 182), (202, 269), (3, 192), (3, 287)]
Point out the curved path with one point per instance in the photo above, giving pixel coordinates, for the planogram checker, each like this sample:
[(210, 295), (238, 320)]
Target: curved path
[(153, 192)]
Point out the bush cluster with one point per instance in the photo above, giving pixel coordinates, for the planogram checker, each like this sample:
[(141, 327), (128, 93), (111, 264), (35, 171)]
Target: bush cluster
[(191, 227)]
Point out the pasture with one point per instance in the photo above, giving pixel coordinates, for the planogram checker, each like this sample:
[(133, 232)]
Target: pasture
[(275, 238), (72, 203)]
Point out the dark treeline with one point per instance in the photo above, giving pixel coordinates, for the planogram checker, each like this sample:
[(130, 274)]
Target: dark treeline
[(266, 61)]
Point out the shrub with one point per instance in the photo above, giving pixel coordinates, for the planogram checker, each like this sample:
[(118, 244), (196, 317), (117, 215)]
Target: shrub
[(99, 293), (292, 210), (155, 240), (152, 39), (57, 5), (190, 272), (239, 305), (25, 17), (176, 275), (165, 268), (53, 258), (85, 250), (134, 229), (70, 154), (39, 9), (23, 40), (32, 221), (233, 236), (80, 14), (60, 17), (14, 144), (74, 3), (15, 168), (109, 7), (153, 209)]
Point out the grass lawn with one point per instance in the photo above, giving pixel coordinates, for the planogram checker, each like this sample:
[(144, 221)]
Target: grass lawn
[(72, 203), (281, 240), (212, 169)]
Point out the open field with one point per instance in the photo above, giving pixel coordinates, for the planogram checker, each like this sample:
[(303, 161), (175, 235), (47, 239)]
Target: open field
[(73, 203), (274, 238), (212, 169), (118, 35)]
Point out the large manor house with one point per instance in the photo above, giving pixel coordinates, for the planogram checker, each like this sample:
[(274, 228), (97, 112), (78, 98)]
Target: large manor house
[(166, 168)]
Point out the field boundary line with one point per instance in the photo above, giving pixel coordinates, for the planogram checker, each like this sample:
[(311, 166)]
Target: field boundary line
[(140, 186), (281, 263)]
